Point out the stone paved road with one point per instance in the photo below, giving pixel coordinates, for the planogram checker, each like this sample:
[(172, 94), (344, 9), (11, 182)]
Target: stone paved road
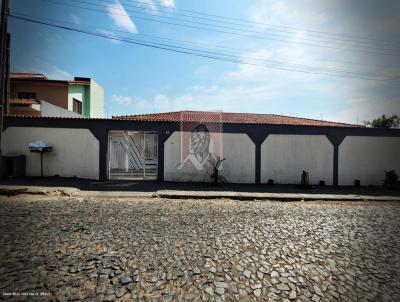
[(164, 250)]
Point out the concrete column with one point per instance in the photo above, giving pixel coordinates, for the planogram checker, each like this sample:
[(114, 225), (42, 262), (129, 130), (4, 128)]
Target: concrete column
[(335, 140), (102, 136), (258, 139), (162, 137)]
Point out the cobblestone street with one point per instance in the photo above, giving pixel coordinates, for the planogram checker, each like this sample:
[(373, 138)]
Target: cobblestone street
[(65, 249)]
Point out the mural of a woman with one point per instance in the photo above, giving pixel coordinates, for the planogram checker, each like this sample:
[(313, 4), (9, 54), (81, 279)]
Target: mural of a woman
[(200, 143), (199, 155)]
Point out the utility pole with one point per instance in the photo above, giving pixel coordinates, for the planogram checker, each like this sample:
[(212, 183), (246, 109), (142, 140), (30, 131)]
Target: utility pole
[(4, 90), (7, 84)]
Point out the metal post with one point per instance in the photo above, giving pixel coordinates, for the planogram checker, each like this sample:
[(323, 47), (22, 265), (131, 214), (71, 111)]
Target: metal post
[(41, 164)]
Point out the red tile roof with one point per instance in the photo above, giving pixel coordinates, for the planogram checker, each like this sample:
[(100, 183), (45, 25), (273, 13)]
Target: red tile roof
[(226, 117), (27, 76), (15, 101)]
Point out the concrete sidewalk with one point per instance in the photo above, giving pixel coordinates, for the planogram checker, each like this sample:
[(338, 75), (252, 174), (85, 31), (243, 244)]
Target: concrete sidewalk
[(272, 196), (16, 189), (180, 194)]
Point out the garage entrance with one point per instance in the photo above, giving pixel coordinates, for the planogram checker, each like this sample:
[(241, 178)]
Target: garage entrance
[(132, 155)]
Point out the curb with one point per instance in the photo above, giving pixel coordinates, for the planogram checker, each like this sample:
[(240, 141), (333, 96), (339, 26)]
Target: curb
[(74, 192), (271, 196)]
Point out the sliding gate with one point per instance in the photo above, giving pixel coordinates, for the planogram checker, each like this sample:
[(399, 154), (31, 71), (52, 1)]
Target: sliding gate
[(132, 155)]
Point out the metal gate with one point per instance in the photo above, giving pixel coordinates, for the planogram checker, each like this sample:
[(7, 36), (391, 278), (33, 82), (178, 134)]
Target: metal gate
[(132, 155)]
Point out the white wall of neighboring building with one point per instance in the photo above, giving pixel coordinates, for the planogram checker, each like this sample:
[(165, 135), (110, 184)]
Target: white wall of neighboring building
[(284, 157), (96, 100), (75, 151), (47, 109), (238, 167), (77, 92), (366, 158)]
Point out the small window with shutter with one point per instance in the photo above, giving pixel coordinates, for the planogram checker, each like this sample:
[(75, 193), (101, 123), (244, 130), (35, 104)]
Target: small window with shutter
[(77, 106)]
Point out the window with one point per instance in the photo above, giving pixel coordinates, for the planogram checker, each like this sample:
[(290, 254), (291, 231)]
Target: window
[(27, 95), (77, 106)]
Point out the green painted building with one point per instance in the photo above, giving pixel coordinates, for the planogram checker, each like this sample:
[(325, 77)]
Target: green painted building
[(86, 97)]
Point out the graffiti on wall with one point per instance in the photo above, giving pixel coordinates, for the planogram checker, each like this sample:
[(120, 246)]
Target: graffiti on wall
[(200, 148)]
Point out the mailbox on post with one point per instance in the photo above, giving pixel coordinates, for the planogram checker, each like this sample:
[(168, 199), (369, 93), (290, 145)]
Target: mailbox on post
[(40, 147)]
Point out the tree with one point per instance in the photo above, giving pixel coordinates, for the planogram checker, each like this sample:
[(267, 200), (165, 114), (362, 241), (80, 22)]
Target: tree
[(385, 122)]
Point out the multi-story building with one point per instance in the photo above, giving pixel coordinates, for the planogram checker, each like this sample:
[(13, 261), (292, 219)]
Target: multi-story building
[(36, 95)]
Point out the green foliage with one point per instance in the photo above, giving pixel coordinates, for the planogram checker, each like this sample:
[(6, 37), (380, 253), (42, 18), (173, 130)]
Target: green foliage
[(391, 179), (386, 122)]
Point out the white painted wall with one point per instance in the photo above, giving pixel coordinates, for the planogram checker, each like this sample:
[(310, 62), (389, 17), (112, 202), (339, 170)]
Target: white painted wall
[(239, 166), (240, 155), (366, 158), (75, 151), (284, 157), (77, 92), (47, 109), (96, 100)]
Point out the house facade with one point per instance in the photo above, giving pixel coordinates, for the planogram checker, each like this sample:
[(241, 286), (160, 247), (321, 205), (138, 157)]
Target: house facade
[(36, 95), (24, 86), (183, 146), (86, 97)]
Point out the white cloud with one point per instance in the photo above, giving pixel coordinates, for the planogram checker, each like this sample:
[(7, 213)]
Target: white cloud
[(246, 88), (360, 110), (161, 103), (250, 72), (389, 73), (149, 5), (168, 3), (152, 8), (40, 65), (221, 98), (120, 17), (75, 18), (55, 72), (274, 60), (122, 100), (50, 37), (280, 8), (142, 104), (110, 33)]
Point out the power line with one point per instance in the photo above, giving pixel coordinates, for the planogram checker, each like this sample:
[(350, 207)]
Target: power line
[(265, 24), (227, 57), (250, 59), (338, 38), (195, 44), (252, 32), (169, 40), (235, 56), (221, 31), (199, 53)]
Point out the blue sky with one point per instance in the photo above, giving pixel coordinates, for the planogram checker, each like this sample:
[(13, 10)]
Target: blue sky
[(139, 79)]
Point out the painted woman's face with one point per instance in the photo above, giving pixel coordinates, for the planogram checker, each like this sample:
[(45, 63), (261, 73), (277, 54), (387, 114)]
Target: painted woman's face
[(200, 141)]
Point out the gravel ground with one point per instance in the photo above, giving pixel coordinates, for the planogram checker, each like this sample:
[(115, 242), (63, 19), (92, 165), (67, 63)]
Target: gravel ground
[(59, 248)]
